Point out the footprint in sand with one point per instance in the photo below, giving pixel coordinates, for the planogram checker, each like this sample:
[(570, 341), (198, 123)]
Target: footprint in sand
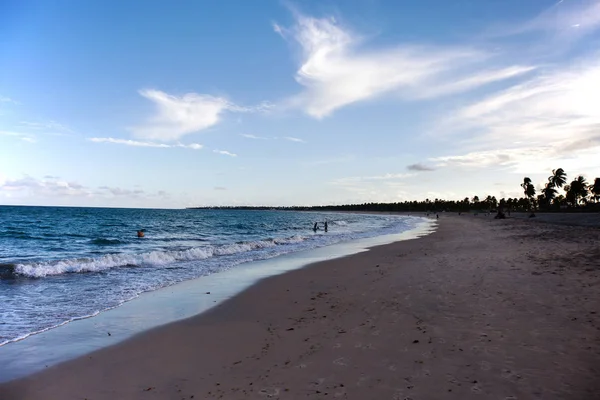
[(475, 389), (342, 361), (269, 392), (337, 345), (510, 375), (318, 382)]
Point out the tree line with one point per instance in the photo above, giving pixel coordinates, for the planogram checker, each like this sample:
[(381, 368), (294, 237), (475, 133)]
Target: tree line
[(579, 195)]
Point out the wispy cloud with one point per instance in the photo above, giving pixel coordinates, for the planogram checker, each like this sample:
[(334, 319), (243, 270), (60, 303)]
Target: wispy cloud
[(21, 136), (181, 115), (249, 136), (46, 126), (419, 167), (567, 19), (337, 71), (45, 187), (220, 188), (4, 99), (225, 153), (55, 187), (551, 114), (293, 139), (135, 143), (120, 192)]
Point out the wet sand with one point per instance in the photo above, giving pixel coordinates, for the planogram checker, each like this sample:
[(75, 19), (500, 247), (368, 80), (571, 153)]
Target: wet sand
[(481, 309)]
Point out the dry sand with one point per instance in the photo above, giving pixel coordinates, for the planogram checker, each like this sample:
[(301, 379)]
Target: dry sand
[(480, 309)]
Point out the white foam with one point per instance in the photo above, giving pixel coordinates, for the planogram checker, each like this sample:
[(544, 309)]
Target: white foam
[(108, 261)]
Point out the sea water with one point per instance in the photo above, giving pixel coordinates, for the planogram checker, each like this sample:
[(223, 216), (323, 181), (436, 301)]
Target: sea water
[(60, 264)]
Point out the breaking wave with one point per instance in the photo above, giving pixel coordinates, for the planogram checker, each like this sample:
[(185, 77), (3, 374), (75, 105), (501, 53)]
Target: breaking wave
[(152, 258)]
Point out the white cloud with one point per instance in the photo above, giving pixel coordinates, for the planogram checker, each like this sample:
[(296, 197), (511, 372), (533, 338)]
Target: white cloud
[(225, 153), (4, 99), (127, 142), (192, 112), (555, 110), (473, 81), (178, 116), (19, 135), (293, 139), (249, 136), (52, 187), (44, 187), (336, 71)]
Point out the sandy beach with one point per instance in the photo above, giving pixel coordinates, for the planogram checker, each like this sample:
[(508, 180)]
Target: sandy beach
[(480, 309)]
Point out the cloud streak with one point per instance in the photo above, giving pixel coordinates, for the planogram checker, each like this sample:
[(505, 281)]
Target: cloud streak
[(136, 143), (4, 99), (249, 136), (19, 135), (225, 153), (293, 139)]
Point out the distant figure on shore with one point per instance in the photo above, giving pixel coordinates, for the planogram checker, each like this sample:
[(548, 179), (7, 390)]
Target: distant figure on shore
[(316, 227), (140, 233), (325, 225), (437, 216)]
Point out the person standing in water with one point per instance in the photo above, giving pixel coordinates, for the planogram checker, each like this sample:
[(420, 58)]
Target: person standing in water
[(325, 225), (316, 227)]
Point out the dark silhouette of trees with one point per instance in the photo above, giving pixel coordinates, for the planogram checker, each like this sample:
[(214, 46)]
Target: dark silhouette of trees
[(577, 191), (529, 191), (595, 189), (574, 199), (558, 178)]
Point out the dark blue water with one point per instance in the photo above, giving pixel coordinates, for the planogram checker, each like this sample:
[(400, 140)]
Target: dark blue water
[(59, 264)]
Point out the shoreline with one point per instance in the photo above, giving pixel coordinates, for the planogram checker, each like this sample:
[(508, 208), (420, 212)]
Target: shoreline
[(166, 305), (480, 308)]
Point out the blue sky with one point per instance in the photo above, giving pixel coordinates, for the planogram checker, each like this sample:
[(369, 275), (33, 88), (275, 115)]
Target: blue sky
[(152, 104)]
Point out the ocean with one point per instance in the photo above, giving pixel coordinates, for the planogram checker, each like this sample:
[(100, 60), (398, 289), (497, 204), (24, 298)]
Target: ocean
[(60, 264)]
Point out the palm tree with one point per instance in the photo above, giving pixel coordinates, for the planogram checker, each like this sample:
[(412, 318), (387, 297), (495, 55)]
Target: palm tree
[(595, 189), (576, 190), (528, 190), (558, 178), (581, 188), (549, 193)]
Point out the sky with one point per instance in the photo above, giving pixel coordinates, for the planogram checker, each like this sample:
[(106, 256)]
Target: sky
[(198, 103)]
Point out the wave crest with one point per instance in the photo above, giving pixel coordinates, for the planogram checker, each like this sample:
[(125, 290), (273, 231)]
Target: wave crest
[(153, 258)]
